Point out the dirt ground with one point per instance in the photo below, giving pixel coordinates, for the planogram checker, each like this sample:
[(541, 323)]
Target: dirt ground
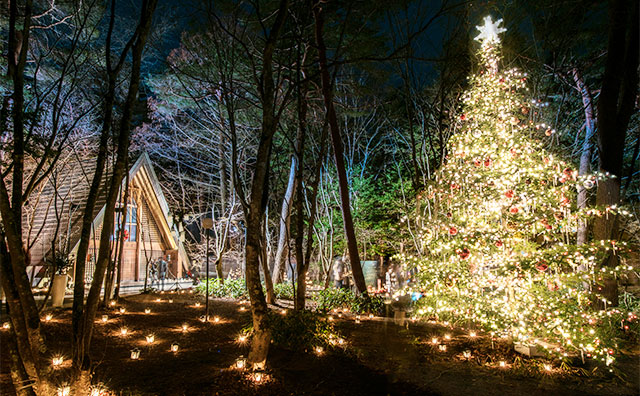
[(380, 358)]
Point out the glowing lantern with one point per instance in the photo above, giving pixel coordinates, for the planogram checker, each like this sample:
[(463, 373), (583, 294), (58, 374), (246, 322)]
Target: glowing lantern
[(467, 354), (241, 362), (442, 347), (434, 340), (112, 303), (174, 347), (340, 341), (370, 316), (64, 391), (258, 376), (503, 363), (284, 311), (105, 318), (170, 301), (242, 339), (122, 310), (48, 317), (124, 331), (6, 325), (472, 334), (185, 327), (57, 361), (147, 310), (150, 338), (135, 354), (319, 350), (547, 367), (197, 305), (447, 337), (203, 319), (158, 300), (216, 319)]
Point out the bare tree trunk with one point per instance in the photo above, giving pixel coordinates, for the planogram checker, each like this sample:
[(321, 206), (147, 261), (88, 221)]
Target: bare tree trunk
[(285, 218), (116, 292), (94, 190), (587, 148), (104, 253), (352, 243), (615, 107)]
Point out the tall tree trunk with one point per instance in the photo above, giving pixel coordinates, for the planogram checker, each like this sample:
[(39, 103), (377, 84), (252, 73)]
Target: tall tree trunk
[(255, 210), (25, 320), (585, 156), (615, 107), (104, 253), (92, 197), (336, 140), (285, 218), (125, 205)]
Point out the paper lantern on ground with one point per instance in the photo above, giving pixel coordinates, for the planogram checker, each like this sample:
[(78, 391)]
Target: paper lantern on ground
[(135, 354)]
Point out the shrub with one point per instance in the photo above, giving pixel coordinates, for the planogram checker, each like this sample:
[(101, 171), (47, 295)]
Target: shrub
[(283, 290), (231, 288), (331, 298), (301, 330)]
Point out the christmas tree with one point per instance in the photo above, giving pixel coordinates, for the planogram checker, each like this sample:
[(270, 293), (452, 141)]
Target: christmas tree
[(498, 243)]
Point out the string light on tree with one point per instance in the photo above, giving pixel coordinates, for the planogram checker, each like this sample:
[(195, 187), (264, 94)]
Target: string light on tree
[(498, 246)]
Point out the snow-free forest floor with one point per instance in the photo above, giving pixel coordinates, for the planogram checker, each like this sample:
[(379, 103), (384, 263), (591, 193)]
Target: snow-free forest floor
[(380, 357)]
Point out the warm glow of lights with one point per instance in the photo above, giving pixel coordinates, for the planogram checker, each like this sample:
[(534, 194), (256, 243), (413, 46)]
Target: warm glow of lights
[(150, 338), (170, 301), (258, 376), (447, 337), (242, 339), (122, 310), (472, 334), (370, 316), (105, 318), (158, 300), (135, 354), (503, 363), (283, 312), (442, 348), (547, 367), (434, 340), (64, 391), (185, 327), (175, 347), (203, 319), (197, 305), (241, 362), (112, 303), (57, 361), (124, 331), (319, 350), (242, 309), (216, 319), (48, 317), (147, 310), (466, 354), (6, 325)]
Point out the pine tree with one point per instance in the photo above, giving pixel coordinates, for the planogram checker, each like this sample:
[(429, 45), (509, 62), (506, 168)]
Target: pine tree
[(498, 248)]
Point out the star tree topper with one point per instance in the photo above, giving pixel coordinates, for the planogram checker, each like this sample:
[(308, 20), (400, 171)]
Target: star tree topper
[(489, 31)]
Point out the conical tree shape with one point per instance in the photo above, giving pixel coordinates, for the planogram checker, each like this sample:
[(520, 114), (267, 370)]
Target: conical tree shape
[(499, 247)]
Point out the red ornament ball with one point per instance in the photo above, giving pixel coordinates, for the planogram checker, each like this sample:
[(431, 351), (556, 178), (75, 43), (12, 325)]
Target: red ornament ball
[(463, 117), (498, 243), (542, 267), (509, 194), (513, 210), (453, 231), (464, 253)]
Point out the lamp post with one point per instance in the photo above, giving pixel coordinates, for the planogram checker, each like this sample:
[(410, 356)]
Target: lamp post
[(207, 224)]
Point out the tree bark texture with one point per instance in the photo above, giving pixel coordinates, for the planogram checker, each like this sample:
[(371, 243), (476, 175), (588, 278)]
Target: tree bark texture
[(336, 140), (615, 107), (285, 218)]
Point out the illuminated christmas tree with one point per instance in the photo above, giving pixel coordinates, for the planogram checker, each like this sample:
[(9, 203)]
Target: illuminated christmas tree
[(498, 241)]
